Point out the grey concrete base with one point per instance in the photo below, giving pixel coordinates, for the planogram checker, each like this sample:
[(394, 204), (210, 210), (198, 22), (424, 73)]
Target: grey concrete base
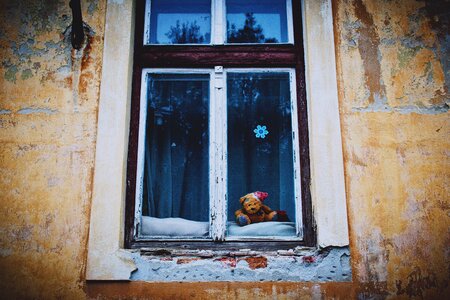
[(331, 264)]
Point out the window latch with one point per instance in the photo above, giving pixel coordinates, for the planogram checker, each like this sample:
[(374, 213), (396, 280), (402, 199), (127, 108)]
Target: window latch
[(218, 75)]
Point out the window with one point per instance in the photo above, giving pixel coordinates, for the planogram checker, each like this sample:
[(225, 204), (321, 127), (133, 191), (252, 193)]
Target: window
[(109, 257), (218, 112)]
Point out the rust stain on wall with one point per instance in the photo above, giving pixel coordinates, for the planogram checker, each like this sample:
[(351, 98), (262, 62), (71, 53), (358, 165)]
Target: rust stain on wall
[(368, 43), (47, 147), (395, 150)]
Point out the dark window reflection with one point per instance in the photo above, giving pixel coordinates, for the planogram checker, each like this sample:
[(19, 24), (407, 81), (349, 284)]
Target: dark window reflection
[(260, 150), (180, 22), (256, 21), (176, 168)]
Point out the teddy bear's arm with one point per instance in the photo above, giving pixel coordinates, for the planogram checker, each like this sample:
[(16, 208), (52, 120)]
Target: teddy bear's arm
[(266, 209), (241, 218)]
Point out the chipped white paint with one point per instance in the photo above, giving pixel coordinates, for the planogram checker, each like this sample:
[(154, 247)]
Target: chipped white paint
[(327, 165), (105, 260), (218, 156), (217, 149), (296, 157), (295, 151), (147, 23), (141, 145), (141, 154)]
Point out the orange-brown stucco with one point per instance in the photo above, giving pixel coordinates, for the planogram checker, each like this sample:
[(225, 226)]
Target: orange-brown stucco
[(393, 79)]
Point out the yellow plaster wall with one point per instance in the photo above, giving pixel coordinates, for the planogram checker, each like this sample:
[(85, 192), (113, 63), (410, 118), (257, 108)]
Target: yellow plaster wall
[(393, 76), (48, 115), (393, 70)]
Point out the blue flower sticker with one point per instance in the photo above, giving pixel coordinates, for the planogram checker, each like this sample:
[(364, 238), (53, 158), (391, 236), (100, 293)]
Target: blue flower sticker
[(261, 131)]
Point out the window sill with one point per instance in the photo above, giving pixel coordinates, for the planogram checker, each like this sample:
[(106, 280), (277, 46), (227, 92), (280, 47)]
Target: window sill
[(229, 245), (295, 265)]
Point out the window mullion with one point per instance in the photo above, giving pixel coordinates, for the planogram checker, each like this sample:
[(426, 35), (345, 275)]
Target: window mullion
[(218, 160), (218, 19)]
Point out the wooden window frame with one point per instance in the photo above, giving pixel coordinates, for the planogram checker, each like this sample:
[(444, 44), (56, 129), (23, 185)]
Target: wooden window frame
[(227, 56)]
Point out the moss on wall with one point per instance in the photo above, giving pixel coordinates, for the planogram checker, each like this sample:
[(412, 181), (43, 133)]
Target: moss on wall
[(394, 79)]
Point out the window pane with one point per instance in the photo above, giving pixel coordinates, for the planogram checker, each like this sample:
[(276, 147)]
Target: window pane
[(260, 150), (180, 22), (176, 193), (256, 21)]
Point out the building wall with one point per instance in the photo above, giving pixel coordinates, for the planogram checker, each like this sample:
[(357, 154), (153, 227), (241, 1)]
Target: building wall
[(394, 79), (48, 114), (393, 76)]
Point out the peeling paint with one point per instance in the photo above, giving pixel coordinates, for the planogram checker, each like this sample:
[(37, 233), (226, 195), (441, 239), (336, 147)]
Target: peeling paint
[(368, 49), (36, 110), (396, 162), (47, 152), (5, 111), (10, 74), (331, 264), (379, 106), (26, 74)]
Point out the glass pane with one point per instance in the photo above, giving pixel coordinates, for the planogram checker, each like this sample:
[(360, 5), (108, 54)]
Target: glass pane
[(260, 155), (256, 21), (180, 22), (176, 193)]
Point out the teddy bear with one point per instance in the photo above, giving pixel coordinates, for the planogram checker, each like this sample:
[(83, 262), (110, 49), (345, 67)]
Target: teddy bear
[(253, 210)]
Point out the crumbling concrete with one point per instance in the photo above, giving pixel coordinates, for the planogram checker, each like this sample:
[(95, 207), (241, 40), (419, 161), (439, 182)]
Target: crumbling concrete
[(331, 264)]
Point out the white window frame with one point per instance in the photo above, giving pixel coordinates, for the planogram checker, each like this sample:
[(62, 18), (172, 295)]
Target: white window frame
[(107, 259), (218, 163), (141, 149), (295, 152), (218, 23)]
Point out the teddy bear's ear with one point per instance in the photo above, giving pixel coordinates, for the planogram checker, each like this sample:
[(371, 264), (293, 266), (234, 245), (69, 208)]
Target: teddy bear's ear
[(242, 199)]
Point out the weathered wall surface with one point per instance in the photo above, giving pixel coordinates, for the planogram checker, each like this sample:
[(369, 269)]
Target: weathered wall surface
[(394, 79), (48, 116)]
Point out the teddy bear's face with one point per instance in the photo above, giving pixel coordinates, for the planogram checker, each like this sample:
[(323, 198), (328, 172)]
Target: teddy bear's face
[(251, 204)]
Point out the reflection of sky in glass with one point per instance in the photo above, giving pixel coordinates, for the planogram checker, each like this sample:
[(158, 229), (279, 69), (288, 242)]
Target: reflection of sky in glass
[(164, 14), (270, 23), (271, 15), (166, 20)]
